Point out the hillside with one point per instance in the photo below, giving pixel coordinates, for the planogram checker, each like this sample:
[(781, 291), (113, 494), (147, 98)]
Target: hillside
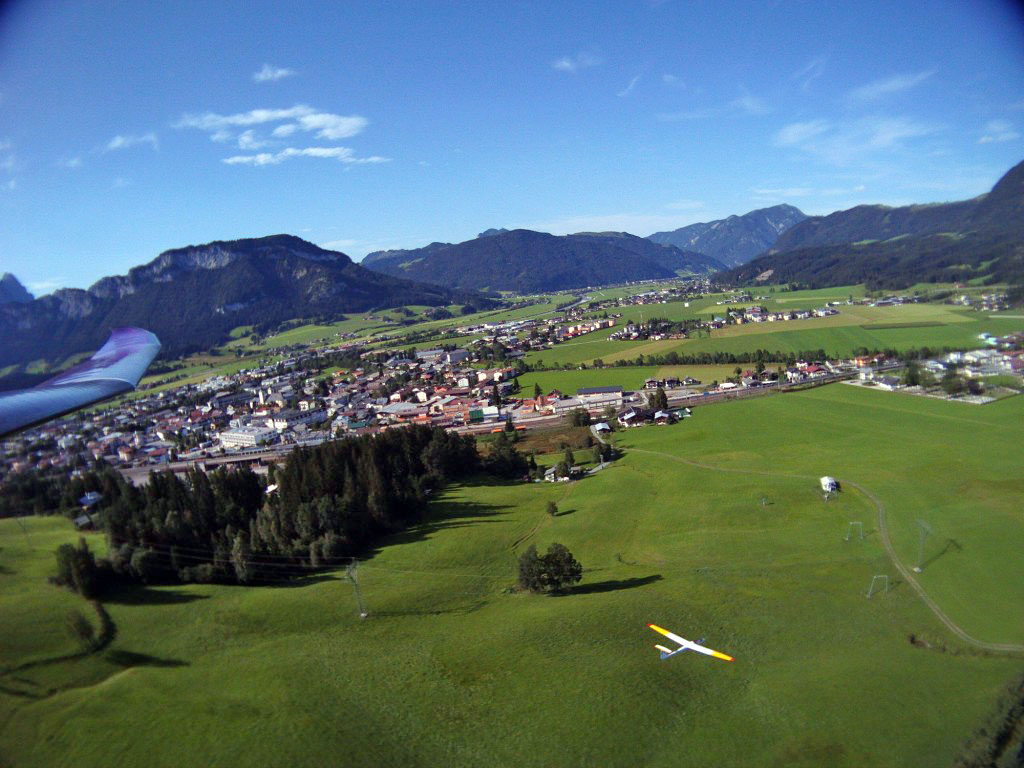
[(979, 239), (736, 239), (11, 290), (192, 297), (527, 261)]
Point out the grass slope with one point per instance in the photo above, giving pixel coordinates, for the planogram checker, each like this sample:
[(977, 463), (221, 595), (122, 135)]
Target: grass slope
[(451, 669)]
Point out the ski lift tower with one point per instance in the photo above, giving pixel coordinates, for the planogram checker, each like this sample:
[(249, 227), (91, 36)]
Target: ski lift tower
[(925, 531)]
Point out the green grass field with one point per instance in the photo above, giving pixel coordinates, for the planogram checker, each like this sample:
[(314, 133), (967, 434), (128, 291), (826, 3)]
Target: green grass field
[(628, 377), (900, 328), (452, 669)]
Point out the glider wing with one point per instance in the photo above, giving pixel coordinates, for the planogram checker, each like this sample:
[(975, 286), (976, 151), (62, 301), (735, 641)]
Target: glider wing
[(115, 368)]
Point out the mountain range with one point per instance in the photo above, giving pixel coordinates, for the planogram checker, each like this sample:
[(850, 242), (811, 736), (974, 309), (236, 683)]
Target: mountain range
[(192, 297), (980, 239), (528, 262), (737, 239)]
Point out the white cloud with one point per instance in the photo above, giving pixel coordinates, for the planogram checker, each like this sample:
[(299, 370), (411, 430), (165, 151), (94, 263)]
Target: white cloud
[(70, 162), (342, 154), (323, 125), (672, 81), (333, 127), (211, 121), (846, 142), (247, 140), (798, 133), (43, 287), (272, 74), (809, 73), (752, 105), (576, 63), (629, 88), (126, 141), (889, 85), (745, 104), (11, 185), (120, 183), (997, 131)]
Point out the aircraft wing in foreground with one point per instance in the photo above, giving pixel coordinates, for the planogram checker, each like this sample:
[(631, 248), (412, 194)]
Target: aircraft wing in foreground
[(115, 368), (685, 645)]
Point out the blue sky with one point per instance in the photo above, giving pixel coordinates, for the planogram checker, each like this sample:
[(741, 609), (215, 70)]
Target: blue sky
[(127, 128)]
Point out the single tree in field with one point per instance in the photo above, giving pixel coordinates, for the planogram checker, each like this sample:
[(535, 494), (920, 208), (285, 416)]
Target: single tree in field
[(530, 576), (552, 572), (537, 392), (597, 454), (569, 458), (552, 509), (560, 568)]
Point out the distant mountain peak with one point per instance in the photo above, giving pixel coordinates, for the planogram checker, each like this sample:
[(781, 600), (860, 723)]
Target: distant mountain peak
[(492, 232), (735, 239), (528, 261), (894, 247), (215, 255), (12, 291), (192, 297)]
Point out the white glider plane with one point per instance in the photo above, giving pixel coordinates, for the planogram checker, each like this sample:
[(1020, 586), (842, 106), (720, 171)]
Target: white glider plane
[(685, 645)]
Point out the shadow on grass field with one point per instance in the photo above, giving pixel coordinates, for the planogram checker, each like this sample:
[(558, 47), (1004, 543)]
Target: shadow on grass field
[(127, 659), (131, 594), (614, 585), (447, 515)]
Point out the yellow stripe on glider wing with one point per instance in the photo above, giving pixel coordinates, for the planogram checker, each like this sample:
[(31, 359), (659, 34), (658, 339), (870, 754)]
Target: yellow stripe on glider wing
[(723, 656)]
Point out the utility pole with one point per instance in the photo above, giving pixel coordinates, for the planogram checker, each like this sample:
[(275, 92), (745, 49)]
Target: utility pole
[(924, 530), (350, 571)]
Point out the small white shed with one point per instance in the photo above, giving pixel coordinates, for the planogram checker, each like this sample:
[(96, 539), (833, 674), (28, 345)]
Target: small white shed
[(829, 484)]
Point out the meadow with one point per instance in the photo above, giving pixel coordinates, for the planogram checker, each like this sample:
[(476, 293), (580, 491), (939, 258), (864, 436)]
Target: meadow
[(628, 377), (900, 328), (452, 667)]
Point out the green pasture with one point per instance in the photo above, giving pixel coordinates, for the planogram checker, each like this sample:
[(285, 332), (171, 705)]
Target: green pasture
[(450, 668), (628, 377), (904, 327)]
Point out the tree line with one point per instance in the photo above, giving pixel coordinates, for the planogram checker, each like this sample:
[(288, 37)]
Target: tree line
[(323, 505)]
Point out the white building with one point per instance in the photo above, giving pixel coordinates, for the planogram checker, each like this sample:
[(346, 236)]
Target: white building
[(246, 437)]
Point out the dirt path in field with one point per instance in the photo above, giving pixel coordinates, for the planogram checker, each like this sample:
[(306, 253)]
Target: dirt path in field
[(883, 529)]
